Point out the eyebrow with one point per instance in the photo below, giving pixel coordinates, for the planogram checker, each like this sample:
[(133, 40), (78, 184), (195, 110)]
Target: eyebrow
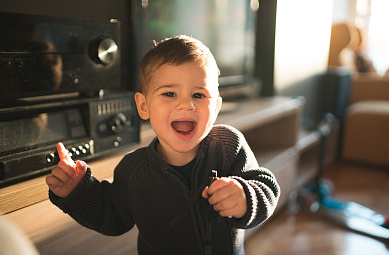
[(175, 85), (164, 86)]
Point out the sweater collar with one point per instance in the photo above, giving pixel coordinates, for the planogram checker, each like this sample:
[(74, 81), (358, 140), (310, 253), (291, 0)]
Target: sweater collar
[(154, 157)]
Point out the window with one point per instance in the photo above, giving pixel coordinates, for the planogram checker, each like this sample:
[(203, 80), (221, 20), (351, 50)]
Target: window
[(371, 17)]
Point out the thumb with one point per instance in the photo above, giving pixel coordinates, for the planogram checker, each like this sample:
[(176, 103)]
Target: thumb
[(81, 167), (204, 194)]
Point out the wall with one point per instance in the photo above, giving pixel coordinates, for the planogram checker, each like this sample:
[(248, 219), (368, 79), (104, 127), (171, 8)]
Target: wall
[(293, 39)]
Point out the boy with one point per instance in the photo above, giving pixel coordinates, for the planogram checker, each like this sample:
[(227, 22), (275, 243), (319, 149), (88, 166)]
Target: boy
[(164, 188)]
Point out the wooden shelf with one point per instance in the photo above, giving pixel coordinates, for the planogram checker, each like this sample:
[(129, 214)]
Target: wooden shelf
[(257, 112), (307, 140)]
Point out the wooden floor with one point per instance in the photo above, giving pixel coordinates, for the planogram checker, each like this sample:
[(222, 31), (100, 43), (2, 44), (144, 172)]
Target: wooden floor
[(313, 234)]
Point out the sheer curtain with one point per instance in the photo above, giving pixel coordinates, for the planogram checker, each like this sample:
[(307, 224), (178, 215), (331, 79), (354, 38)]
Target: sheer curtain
[(378, 35), (371, 17)]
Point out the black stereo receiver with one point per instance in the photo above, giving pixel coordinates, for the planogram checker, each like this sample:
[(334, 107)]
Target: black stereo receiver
[(53, 71), (46, 55), (88, 127)]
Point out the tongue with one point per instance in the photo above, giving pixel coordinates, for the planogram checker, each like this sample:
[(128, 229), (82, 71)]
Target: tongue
[(183, 126)]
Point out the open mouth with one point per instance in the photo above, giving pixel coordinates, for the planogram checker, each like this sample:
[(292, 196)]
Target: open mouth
[(184, 127)]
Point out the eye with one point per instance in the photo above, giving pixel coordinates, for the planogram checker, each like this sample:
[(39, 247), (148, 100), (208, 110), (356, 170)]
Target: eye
[(198, 95), (169, 94)]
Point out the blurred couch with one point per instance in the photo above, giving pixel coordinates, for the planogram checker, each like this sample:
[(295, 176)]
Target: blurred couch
[(366, 124), (365, 136)]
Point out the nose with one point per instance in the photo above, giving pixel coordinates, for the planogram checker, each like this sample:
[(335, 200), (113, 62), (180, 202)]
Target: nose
[(186, 104)]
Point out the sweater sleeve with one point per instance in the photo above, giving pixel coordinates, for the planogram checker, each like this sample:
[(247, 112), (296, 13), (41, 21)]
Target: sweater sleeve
[(100, 206), (259, 184)]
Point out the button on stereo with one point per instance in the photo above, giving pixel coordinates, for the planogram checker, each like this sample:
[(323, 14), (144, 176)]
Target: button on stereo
[(75, 151)]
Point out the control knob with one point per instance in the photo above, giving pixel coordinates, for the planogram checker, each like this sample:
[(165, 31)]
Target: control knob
[(117, 123), (103, 50)]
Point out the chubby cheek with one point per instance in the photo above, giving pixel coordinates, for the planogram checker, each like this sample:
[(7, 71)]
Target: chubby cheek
[(208, 118), (158, 115), (213, 112)]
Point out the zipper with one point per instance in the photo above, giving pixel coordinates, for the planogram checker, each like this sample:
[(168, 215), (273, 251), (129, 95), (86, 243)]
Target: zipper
[(190, 205), (201, 220), (204, 221)]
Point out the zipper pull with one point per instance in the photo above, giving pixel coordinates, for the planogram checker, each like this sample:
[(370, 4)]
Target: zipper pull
[(213, 177)]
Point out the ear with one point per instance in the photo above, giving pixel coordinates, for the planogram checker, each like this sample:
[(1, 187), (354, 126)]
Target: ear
[(141, 105)]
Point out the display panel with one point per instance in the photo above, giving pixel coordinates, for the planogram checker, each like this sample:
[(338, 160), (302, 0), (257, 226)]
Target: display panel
[(41, 129), (226, 27)]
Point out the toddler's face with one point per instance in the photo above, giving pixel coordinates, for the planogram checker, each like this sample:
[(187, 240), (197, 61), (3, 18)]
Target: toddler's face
[(182, 103)]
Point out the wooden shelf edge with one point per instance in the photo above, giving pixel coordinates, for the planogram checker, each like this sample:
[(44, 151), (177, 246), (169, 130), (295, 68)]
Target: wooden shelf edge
[(307, 140)]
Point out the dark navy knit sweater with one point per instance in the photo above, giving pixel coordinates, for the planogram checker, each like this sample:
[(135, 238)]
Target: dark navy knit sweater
[(171, 215)]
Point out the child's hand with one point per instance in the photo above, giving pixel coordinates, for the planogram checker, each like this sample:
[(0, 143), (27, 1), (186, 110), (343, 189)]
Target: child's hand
[(66, 175), (227, 197)]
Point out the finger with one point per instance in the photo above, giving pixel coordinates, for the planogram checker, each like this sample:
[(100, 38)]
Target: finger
[(69, 170), (227, 213), (204, 194), (235, 206), (61, 175), (232, 208), (224, 204), (217, 185), (81, 167), (53, 182), (237, 211), (223, 190), (219, 196), (63, 153)]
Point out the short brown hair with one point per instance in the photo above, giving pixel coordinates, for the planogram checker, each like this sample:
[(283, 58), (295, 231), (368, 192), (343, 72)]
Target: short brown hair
[(174, 50)]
